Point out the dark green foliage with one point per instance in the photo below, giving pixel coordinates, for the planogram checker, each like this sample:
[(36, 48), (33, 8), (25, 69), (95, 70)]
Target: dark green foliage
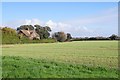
[(43, 31), (39, 30), (114, 37), (60, 36), (69, 37), (25, 27), (18, 67)]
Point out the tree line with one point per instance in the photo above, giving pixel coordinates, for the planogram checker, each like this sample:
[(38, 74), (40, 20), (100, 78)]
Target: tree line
[(112, 37)]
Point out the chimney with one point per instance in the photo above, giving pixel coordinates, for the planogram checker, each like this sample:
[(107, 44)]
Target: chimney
[(27, 28)]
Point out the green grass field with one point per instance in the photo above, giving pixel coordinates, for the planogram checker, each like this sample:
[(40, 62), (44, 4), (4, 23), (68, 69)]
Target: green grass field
[(82, 59)]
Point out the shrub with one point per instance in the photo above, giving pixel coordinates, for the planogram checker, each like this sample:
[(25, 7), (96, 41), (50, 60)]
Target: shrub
[(9, 36)]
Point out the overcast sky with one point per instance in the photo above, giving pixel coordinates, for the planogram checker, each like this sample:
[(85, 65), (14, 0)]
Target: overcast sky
[(81, 19)]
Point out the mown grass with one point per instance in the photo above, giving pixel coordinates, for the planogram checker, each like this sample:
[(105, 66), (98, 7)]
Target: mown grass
[(18, 67), (84, 54)]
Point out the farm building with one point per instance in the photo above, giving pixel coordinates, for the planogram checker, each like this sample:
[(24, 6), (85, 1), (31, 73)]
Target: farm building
[(31, 34)]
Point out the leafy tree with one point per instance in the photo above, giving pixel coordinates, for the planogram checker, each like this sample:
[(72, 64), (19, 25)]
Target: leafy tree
[(113, 37), (25, 27), (59, 36), (46, 33), (69, 37), (39, 30), (43, 31)]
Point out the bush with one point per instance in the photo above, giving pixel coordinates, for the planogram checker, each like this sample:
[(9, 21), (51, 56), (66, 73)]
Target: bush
[(9, 36)]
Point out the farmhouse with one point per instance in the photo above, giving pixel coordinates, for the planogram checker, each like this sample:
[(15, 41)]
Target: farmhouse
[(31, 34)]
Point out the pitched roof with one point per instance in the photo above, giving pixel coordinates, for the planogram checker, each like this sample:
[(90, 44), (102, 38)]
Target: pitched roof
[(28, 33)]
